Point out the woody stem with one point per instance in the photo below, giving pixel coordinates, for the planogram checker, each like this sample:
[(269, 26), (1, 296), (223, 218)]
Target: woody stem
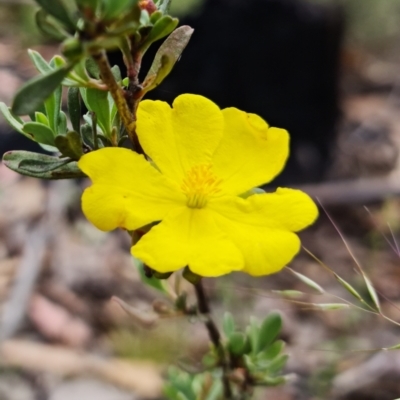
[(203, 308)]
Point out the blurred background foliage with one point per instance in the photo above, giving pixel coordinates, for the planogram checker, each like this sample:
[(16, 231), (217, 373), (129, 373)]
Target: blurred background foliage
[(374, 24)]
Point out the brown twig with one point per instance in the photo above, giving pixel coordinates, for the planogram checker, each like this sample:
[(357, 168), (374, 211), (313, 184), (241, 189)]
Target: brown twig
[(117, 93), (203, 308)]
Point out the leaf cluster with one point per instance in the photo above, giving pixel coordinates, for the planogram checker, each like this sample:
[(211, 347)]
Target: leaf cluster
[(92, 118)]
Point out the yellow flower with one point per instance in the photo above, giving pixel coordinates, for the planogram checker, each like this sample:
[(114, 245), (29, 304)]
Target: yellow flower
[(204, 159)]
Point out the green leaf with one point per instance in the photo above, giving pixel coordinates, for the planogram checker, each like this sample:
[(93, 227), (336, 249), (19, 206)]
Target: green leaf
[(273, 351), (269, 330), (166, 56), (252, 333), (70, 145), (41, 118), (210, 360), (74, 108), (57, 9), (41, 165), (163, 27), (39, 132), (92, 4), (31, 95), (228, 324), (113, 9), (98, 102), (272, 381), (72, 49), (92, 68), (48, 28), (237, 343), (164, 6), (14, 121), (276, 366), (40, 63)]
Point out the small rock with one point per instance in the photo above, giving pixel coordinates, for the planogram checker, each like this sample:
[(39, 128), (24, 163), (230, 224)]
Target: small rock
[(84, 389)]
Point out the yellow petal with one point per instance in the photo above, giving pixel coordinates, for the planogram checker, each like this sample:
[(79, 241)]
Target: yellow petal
[(250, 153), (180, 137), (189, 237), (127, 192), (285, 209), (262, 227)]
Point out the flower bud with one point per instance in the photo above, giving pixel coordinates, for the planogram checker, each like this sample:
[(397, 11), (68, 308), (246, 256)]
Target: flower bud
[(148, 5)]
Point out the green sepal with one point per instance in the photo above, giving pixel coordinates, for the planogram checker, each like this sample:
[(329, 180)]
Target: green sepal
[(41, 165), (162, 275), (181, 302), (48, 28), (70, 145), (35, 92), (269, 330), (39, 132), (57, 9), (74, 108), (166, 56), (152, 282), (191, 276)]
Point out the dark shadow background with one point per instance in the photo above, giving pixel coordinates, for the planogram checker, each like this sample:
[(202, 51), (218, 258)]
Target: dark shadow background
[(276, 58)]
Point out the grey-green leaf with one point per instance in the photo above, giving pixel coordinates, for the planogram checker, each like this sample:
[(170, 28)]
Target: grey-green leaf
[(167, 55), (70, 145), (40, 63), (31, 95), (14, 121), (74, 108), (57, 9), (269, 330), (228, 324), (41, 165), (48, 28)]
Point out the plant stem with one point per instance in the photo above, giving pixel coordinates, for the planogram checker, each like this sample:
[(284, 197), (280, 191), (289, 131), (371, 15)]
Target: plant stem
[(117, 93), (215, 336)]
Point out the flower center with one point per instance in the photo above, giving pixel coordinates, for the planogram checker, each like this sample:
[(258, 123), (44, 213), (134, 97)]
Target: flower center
[(199, 184)]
